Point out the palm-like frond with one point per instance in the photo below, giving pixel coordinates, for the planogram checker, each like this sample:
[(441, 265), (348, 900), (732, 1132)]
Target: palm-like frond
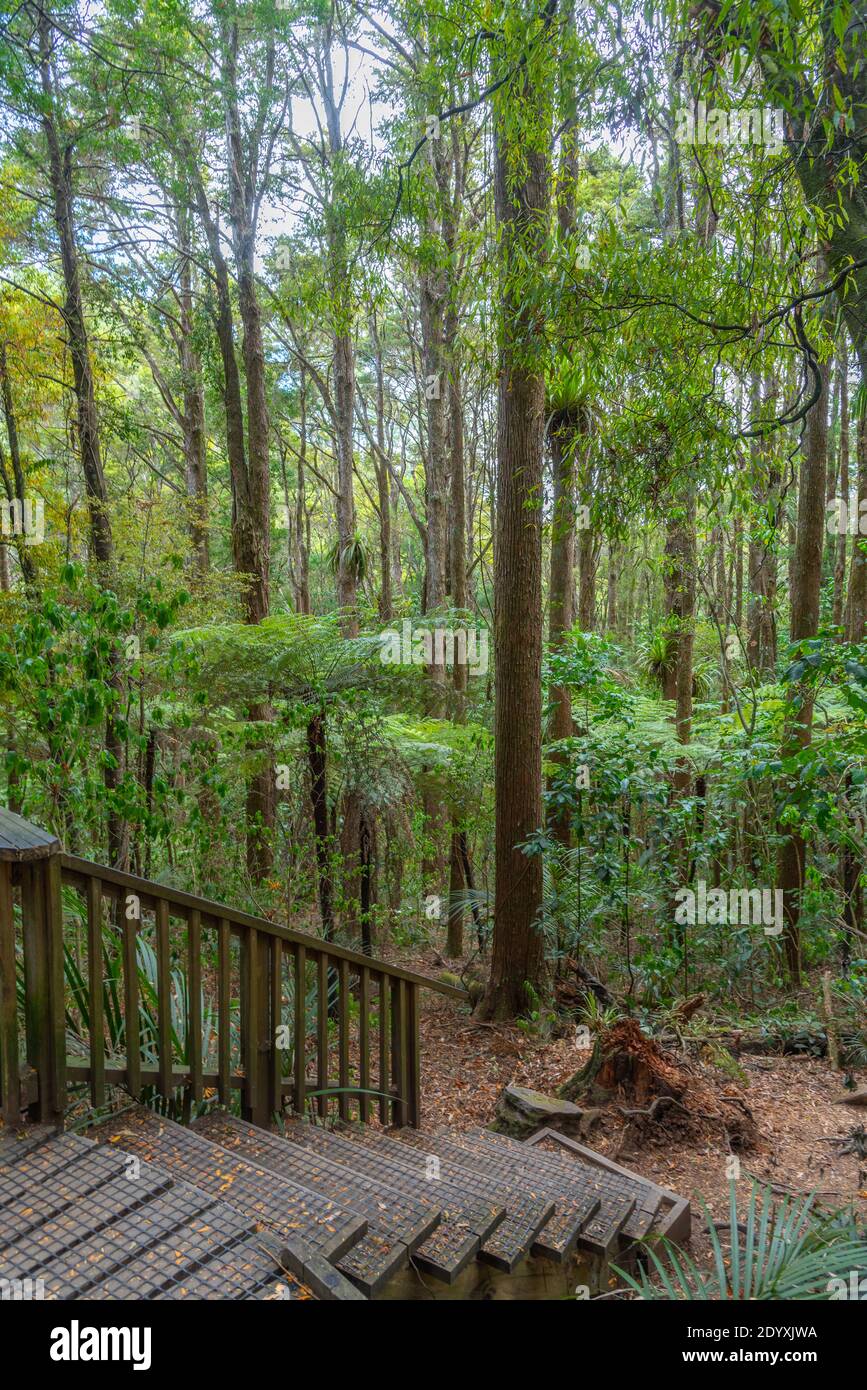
[(788, 1252)]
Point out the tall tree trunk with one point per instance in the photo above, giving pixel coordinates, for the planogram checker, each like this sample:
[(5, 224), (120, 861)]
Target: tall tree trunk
[(60, 175), (807, 576), (433, 310), (737, 600), (195, 438), (762, 639), (686, 637), (301, 527), (857, 600), (458, 586), (564, 437), (588, 558), (344, 401), (243, 161), (383, 489), (317, 764), (521, 180), (15, 486), (343, 349), (611, 598), (843, 490), (60, 160)]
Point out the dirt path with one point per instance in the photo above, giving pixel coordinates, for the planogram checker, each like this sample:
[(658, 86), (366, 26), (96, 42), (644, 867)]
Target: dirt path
[(466, 1065)]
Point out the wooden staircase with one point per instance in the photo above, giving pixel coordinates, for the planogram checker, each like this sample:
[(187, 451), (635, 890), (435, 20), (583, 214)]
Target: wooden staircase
[(224, 1209), (227, 1208)]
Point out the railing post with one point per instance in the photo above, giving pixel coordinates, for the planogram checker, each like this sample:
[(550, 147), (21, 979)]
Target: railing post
[(399, 1052), (256, 1026), (414, 1059), (10, 1093), (31, 858)]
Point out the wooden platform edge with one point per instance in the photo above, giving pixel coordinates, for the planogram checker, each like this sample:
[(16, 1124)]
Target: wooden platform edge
[(676, 1223), (326, 1282)]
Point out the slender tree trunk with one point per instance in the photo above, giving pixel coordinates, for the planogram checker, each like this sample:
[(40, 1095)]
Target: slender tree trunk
[(807, 575), (60, 175), (300, 530), (686, 636), (15, 486), (383, 491), (318, 767), (762, 639), (739, 573), (458, 587), (857, 600), (243, 207), (195, 438), (611, 598), (60, 159), (344, 400), (843, 494)]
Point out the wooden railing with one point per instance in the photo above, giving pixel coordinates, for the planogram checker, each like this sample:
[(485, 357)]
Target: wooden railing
[(119, 980)]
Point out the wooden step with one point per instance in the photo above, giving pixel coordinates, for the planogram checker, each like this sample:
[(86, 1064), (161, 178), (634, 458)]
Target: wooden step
[(32, 1194), (574, 1210), (396, 1225), (527, 1213), (466, 1220), (242, 1274), (562, 1174), (282, 1206), (40, 1162), (202, 1257), (64, 1250), (15, 1143), (176, 1246), (580, 1182), (95, 1227)]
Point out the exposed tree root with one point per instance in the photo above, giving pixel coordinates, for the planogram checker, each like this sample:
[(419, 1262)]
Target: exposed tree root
[(653, 1091)]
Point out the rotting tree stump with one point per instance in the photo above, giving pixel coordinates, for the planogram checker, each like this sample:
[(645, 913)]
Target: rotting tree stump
[(624, 1062), (650, 1087)]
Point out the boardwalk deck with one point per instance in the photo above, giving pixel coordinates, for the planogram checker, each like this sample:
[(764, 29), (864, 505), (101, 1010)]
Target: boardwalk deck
[(149, 1209), (79, 1221)]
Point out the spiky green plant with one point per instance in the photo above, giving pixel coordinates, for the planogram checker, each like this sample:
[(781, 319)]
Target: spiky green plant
[(788, 1251), (353, 557), (656, 654)]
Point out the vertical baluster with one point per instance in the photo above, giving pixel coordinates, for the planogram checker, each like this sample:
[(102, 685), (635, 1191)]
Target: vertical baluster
[(277, 1053), (164, 1000), (224, 1004), (364, 1045), (9, 1079), (56, 983), (37, 1021), (343, 1040), (94, 980), (194, 1010), (322, 1031), (300, 1028), (414, 1066), (384, 1074), (250, 1021), (399, 1053), (130, 995)]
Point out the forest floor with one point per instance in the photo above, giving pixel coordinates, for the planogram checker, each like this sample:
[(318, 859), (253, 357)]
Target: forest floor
[(466, 1064)]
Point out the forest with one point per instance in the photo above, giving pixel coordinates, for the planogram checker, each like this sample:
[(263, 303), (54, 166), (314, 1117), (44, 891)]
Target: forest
[(433, 484)]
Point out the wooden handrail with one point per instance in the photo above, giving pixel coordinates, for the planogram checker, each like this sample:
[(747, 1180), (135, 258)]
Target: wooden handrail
[(149, 892), (265, 969)]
